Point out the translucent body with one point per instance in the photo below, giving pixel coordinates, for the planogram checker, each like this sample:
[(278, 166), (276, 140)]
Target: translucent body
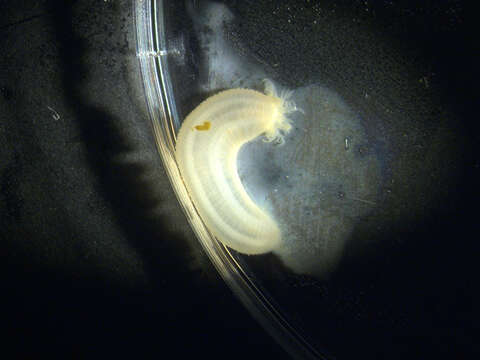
[(207, 147)]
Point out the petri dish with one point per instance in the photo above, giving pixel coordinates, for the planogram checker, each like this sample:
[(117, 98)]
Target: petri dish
[(361, 187)]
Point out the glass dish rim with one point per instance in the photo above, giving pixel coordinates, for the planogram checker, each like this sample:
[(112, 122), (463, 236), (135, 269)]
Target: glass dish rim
[(152, 53)]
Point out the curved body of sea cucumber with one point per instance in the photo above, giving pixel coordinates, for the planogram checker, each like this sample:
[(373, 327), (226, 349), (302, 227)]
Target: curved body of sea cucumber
[(206, 151)]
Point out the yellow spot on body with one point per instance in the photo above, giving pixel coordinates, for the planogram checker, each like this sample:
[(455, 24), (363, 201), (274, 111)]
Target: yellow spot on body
[(206, 126), (208, 164)]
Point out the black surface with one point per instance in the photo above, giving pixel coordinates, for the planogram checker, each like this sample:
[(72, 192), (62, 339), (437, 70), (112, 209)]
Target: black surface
[(97, 257), (407, 289)]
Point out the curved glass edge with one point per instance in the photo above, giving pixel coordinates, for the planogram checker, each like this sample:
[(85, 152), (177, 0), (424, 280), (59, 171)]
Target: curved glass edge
[(152, 53)]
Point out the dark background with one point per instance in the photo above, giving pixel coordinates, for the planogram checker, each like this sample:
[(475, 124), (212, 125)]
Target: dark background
[(97, 257)]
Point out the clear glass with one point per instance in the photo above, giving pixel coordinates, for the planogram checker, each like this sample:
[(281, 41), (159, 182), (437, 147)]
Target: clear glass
[(161, 55), (358, 163)]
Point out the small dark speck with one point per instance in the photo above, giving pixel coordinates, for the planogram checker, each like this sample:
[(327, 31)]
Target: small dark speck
[(207, 31), (6, 93), (361, 150)]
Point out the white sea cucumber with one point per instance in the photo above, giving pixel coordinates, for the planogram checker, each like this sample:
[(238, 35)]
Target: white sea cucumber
[(206, 151)]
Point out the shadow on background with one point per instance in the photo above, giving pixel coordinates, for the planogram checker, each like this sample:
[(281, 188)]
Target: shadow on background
[(421, 286), (82, 315)]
